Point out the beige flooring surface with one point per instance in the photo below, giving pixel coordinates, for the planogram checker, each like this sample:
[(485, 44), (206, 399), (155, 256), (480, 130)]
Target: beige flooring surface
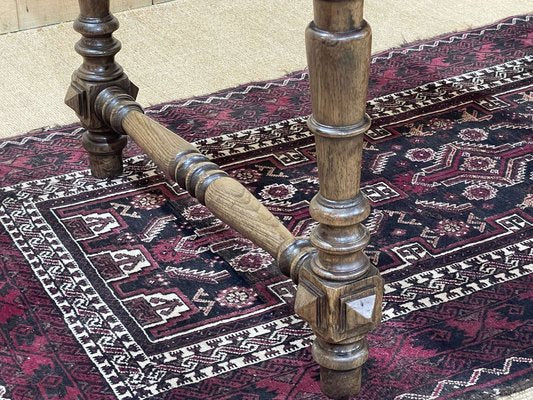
[(193, 47)]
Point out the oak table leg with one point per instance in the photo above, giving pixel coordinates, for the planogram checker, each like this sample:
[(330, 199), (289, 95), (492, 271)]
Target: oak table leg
[(98, 71), (340, 293)]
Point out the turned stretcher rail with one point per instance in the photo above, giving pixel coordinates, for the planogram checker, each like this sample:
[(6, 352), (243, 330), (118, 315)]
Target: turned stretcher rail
[(339, 291), (225, 197)]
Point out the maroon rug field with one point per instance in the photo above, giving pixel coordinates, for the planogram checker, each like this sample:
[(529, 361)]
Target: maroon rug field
[(129, 289)]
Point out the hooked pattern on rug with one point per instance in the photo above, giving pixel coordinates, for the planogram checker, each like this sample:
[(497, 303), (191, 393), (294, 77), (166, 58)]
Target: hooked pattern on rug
[(129, 289)]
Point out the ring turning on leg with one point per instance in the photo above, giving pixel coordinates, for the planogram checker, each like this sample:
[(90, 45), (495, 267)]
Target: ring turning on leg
[(339, 292), (97, 72)]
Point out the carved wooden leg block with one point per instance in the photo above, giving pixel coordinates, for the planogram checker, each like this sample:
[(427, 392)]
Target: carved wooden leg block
[(341, 314)]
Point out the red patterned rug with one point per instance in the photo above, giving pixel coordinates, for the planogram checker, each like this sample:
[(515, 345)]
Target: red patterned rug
[(128, 289)]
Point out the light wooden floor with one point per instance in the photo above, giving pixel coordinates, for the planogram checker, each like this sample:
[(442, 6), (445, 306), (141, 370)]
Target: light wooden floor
[(193, 47)]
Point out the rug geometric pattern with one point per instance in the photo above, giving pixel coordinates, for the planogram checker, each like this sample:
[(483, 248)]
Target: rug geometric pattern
[(129, 289)]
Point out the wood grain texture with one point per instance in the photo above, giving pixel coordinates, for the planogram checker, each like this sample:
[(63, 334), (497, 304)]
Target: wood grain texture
[(8, 16), (329, 54), (35, 13), (226, 198), (158, 142), (339, 183), (235, 205)]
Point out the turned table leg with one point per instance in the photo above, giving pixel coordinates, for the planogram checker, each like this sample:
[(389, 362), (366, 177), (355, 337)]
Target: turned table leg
[(98, 71), (340, 293)]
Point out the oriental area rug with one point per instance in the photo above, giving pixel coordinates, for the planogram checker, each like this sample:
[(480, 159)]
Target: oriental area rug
[(129, 289)]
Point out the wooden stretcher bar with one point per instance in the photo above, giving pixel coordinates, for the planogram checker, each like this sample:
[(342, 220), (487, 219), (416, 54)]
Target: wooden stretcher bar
[(339, 292)]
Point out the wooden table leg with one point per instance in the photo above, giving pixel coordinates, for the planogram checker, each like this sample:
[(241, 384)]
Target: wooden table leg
[(340, 293), (98, 71)]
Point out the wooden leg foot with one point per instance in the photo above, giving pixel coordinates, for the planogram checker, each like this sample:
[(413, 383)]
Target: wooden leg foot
[(340, 367), (340, 385), (105, 154)]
